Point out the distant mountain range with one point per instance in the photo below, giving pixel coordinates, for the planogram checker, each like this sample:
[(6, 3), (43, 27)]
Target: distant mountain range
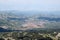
[(25, 20), (49, 19)]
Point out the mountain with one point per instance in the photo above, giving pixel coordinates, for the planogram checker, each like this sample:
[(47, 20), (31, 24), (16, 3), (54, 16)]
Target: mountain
[(49, 19), (24, 20), (4, 30)]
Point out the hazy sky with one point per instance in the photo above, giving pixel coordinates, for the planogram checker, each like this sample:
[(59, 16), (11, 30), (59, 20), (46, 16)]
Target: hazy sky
[(24, 5)]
